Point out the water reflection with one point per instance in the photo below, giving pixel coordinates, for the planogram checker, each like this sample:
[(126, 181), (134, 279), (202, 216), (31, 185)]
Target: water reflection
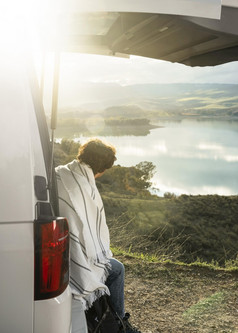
[(192, 157)]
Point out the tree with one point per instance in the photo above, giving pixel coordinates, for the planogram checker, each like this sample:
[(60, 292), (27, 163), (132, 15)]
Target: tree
[(70, 147), (65, 151), (148, 170), (128, 179)]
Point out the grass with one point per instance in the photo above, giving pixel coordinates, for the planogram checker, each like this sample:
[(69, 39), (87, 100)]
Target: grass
[(205, 306), (230, 266)]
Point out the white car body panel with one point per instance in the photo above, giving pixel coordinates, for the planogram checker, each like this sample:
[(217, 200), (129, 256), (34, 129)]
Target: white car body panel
[(16, 197), (17, 277), (53, 315), (21, 159)]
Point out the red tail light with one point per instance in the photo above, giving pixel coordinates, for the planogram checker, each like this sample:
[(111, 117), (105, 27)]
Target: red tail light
[(51, 257)]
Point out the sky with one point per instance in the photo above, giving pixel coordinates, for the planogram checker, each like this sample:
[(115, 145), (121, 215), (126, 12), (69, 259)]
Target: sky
[(79, 69), (94, 68)]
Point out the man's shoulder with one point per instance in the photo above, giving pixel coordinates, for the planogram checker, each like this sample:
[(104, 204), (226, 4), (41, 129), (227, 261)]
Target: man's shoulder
[(66, 167)]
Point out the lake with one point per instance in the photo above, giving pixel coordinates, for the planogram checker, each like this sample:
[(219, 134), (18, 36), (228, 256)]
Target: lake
[(191, 156)]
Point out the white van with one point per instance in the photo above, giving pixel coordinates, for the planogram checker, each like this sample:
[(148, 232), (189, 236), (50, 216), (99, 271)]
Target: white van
[(34, 243)]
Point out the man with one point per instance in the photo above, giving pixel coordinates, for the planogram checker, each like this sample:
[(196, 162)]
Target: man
[(93, 271)]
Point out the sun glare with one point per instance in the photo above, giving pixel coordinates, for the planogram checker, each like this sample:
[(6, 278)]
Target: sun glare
[(21, 25)]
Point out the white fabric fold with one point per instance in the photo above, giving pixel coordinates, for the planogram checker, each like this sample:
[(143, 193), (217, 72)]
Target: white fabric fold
[(81, 203)]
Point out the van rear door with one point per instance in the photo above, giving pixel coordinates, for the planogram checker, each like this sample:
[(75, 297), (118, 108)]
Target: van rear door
[(19, 148), (32, 240)]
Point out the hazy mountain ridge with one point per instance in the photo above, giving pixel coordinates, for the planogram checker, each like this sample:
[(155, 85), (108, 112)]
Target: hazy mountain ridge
[(153, 100)]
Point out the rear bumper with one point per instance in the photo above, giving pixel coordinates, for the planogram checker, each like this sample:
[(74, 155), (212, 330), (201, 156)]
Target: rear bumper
[(53, 315)]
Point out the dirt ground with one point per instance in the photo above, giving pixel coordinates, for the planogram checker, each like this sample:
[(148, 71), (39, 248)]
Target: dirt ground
[(174, 298)]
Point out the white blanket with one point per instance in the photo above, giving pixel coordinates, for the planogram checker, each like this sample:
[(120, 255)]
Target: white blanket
[(81, 203)]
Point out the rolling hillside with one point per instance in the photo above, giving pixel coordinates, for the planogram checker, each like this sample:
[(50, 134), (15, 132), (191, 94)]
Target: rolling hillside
[(155, 100)]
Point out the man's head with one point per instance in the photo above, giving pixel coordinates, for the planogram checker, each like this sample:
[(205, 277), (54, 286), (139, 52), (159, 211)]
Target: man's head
[(98, 155)]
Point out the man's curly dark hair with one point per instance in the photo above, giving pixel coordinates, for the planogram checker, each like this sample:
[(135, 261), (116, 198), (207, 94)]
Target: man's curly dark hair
[(97, 154)]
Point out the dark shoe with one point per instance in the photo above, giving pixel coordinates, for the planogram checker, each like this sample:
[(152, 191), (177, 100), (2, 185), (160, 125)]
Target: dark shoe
[(127, 325)]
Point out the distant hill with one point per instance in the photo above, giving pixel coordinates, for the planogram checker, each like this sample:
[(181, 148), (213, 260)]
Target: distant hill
[(152, 100)]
